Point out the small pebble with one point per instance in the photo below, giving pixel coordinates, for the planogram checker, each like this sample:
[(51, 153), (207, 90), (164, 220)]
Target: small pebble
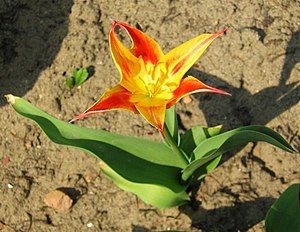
[(28, 145), (58, 200), (89, 225), (187, 100), (6, 160), (90, 175)]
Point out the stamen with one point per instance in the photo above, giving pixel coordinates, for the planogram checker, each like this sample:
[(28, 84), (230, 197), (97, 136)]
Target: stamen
[(154, 79)]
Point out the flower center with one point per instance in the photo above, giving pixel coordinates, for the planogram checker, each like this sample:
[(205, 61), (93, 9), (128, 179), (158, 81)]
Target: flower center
[(155, 79), (151, 85)]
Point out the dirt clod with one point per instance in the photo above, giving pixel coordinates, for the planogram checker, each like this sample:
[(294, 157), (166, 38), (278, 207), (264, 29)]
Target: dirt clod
[(187, 100), (58, 200)]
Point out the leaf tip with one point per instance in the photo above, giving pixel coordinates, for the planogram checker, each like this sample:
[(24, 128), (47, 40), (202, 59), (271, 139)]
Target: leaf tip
[(11, 99), (294, 150), (219, 127)]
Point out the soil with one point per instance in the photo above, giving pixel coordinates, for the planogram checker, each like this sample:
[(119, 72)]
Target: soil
[(258, 62)]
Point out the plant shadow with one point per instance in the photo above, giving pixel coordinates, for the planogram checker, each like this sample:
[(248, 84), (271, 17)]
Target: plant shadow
[(30, 37), (240, 217), (241, 109), (244, 108)]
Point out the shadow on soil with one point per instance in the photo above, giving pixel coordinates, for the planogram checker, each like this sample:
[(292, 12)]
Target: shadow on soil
[(242, 109), (240, 217), (31, 33), (247, 108)]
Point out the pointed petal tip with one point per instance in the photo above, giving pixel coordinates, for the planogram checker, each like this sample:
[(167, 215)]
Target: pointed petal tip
[(225, 30), (80, 116), (75, 119), (219, 91), (215, 90), (224, 92), (116, 22), (113, 21)]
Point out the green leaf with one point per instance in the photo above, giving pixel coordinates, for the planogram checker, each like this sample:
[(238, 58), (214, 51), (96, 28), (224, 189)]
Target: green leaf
[(171, 136), (171, 124), (136, 160), (157, 195), (192, 137), (215, 146), (206, 168), (70, 82), (284, 215), (80, 76)]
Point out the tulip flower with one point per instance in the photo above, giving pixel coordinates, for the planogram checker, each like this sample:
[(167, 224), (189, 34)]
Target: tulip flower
[(151, 81)]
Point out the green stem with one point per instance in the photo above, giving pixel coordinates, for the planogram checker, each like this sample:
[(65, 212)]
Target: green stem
[(180, 155)]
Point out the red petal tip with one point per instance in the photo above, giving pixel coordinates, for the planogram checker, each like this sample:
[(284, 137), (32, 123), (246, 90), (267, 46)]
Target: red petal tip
[(75, 119), (113, 21), (222, 92), (80, 116), (225, 93), (225, 30)]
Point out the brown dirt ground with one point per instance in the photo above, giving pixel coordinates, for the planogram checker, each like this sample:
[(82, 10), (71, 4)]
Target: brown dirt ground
[(42, 41)]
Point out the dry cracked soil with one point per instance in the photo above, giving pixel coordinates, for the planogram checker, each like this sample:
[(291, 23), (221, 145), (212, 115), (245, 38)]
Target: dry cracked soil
[(258, 62)]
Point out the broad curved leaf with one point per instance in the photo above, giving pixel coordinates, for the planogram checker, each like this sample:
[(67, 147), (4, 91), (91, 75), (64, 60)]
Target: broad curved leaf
[(156, 195), (206, 168), (215, 146), (284, 215), (136, 160)]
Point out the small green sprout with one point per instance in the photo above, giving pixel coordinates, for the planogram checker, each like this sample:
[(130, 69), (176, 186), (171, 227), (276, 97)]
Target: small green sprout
[(78, 77)]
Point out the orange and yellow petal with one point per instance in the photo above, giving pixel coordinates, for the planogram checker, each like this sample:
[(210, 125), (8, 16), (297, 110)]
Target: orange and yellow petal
[(180, 59), (155, 115), (115, 98), (125, 61), (190, 85), (142, 44)]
